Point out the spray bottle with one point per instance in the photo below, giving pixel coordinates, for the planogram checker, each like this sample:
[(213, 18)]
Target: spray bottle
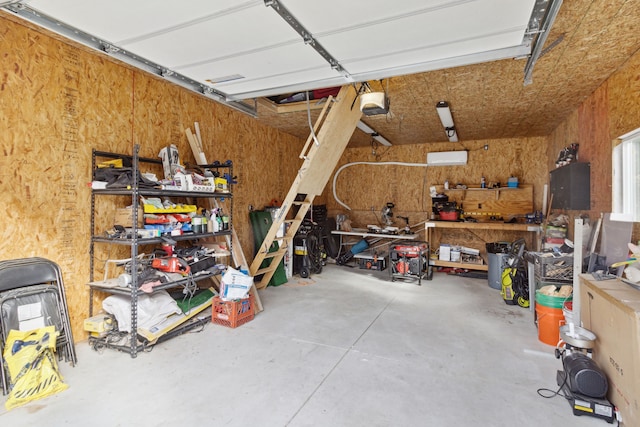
[(205, 221), (219, 218), (214, 220)]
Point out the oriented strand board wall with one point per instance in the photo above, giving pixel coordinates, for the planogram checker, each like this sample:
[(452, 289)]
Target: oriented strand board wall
[(58, 101), (367, 188), (624, 107), (483, 204), (611, 111)]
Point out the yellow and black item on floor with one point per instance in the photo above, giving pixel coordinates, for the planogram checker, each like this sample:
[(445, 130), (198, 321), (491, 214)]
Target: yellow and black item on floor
[(515, 281)]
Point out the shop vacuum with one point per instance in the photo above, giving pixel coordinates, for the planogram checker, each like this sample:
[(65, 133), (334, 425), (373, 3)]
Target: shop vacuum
[(581, 382)]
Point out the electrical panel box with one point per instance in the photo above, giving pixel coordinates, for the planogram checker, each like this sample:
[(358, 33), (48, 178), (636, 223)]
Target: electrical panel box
[(571, 187)]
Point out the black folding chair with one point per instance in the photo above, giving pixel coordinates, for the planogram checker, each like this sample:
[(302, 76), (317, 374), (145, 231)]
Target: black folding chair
[(34, 284)]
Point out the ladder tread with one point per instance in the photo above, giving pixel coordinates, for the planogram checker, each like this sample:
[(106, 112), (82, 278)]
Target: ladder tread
[(277, 253), (267, 269), (261, 284)]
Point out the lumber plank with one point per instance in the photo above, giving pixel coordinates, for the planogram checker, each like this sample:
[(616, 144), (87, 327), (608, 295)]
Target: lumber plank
[(233, 242)]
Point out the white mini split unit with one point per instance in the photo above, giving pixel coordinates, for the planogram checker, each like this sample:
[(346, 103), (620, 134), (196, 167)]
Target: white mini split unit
[(374, 103), (447, 158)]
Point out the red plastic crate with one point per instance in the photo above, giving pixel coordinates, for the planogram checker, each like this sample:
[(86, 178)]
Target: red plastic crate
[(232, 313)]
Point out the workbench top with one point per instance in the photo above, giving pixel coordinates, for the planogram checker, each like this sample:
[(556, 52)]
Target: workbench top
[(488, 225)]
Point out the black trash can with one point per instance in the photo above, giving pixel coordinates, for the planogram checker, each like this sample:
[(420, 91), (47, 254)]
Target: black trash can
[(498, 254)]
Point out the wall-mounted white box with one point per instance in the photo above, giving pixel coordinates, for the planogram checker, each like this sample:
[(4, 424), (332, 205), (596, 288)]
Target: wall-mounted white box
[(447, 158)]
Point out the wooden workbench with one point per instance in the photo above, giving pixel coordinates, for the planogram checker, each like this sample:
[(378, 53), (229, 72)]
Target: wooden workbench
[(494, 231)]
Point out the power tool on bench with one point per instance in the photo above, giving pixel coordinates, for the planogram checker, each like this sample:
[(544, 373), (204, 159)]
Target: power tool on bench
[(171, 265), (407, 229)]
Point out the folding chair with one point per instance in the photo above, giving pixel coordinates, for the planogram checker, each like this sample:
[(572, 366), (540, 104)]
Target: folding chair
[(32, 295)]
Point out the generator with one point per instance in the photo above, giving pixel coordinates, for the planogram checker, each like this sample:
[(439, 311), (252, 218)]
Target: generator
[(410, 261)]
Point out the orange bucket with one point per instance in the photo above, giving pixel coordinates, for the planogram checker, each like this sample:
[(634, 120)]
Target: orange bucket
[(549, 321)]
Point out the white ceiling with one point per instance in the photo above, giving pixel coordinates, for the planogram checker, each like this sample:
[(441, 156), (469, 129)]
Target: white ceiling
[(246, 49)]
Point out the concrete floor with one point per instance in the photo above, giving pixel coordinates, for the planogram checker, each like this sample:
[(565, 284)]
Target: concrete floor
[(343, 348)]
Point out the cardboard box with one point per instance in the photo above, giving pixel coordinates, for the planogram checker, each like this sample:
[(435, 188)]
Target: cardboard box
[(124, 218), (221, 185), (611, 310), (555, 232)]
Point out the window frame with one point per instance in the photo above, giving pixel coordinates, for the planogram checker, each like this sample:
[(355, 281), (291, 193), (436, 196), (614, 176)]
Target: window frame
[(625, 180)]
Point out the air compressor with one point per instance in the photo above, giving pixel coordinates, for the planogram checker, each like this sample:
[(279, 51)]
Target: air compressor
[(582, 382)]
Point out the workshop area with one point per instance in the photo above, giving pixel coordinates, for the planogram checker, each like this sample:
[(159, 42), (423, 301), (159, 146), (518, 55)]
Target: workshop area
[(328, 214)]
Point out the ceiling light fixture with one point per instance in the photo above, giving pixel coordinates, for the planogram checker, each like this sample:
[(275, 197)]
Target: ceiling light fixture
[(444, 112), (375, 135)]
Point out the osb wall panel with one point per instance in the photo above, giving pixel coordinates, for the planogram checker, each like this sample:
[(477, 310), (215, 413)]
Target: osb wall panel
[(366, 188), (624, 107), (611, 111), (562, 136), (623, 95), (58, 101), (593, 125), (483, 204), (52, 112)]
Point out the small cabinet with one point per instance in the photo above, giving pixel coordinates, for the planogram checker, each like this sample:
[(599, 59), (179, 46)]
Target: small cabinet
[(571, 187)]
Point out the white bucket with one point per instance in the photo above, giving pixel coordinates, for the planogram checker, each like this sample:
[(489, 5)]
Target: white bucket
[(567, 310)]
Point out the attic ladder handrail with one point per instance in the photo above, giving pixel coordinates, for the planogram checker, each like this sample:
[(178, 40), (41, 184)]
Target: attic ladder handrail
[(303, 153)]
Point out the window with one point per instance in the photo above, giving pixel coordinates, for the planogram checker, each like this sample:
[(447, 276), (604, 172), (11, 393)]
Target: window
[(626, 178)]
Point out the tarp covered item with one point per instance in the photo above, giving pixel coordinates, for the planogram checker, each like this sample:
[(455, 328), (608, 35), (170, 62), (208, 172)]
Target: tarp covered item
[(151, 309)]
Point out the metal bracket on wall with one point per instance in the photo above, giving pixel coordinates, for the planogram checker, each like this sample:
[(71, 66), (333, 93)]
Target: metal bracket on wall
[(25, 12)]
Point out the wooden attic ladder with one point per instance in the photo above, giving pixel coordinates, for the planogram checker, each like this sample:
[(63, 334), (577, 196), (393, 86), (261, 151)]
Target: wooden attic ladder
[(320, 155)]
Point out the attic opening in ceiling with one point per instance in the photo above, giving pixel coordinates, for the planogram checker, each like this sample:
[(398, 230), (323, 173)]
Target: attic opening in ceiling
[(371, 102), (315, 94)]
